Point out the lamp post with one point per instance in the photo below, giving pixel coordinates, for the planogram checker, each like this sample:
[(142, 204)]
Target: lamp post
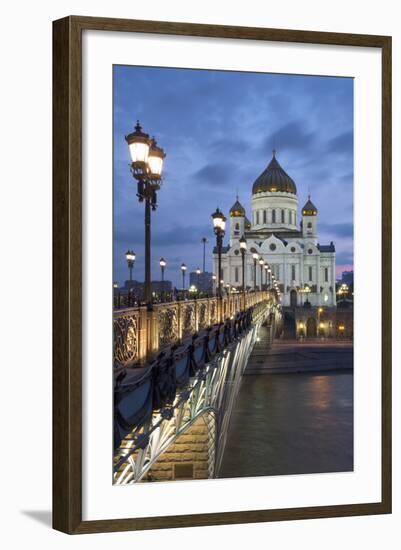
[(204, 242), (214, 283), (219, 226), (266, 267), (261, 264), (162, 263), (242, 247), (255, 257), (198, 272), (269, 271), (130, 257), (183, 270), (146, 167)]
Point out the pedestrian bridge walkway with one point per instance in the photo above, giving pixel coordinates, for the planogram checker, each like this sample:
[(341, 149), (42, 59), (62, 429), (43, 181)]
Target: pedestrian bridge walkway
[(161, 394)]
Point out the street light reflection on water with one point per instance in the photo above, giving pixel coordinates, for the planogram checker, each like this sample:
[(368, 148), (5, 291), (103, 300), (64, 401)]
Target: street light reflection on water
[(291, 424)]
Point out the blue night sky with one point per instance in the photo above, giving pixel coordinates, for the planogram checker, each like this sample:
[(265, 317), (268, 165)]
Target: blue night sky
[(218, 130)]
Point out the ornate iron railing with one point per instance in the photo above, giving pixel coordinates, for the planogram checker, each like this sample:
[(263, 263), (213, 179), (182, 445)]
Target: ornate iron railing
[(140, 333), (154, 406)]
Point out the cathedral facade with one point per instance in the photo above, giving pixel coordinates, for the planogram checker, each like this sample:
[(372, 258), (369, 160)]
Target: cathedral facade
[(303, 268)]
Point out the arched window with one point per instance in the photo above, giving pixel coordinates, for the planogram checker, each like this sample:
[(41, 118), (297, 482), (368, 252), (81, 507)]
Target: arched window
[(273, 216)]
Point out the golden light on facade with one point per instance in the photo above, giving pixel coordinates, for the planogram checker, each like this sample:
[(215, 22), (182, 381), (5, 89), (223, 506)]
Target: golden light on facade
[(341, 328)]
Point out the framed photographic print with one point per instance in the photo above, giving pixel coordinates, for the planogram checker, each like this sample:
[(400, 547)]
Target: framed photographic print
[(222, 275)]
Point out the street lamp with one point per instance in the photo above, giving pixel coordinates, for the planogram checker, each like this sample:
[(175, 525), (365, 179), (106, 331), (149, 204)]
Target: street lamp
[(261, 264), (266, 267), (255, 257), (242, 247), (198, 272), (204, 242), (183, 270), (162, 263), (269, 271), (193, 290), (130, 257), (214, 283), (219, 226), (343, 291), (146, 167)]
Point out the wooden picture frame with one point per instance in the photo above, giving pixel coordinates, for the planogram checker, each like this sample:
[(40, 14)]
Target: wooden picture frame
[(67, 273)]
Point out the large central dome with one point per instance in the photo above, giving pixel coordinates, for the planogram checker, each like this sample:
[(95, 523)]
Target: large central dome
[(274, 180)]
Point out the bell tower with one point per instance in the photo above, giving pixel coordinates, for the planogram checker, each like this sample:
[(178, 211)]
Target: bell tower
[(237, 221), (309, 221)]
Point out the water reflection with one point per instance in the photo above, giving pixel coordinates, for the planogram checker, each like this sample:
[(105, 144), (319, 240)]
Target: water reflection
[(291, 423)]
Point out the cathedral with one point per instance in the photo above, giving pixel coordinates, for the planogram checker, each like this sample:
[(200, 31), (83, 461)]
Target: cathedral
[(303, 268)]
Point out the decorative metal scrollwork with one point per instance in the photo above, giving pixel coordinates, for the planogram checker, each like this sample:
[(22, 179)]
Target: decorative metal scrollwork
[(125, 338), (188, 319), (213, 312), (168, 325), (202, 322)]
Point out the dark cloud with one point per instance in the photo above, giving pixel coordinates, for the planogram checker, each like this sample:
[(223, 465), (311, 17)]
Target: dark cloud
[(344, 258), (292, 136), (342, 143), (174, 235), (337, 229), (180, 235), (230, 146), (214, 174)]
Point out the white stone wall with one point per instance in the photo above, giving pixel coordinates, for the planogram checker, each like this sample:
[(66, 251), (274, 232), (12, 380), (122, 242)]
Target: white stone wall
[(296, 264), (284, 205)]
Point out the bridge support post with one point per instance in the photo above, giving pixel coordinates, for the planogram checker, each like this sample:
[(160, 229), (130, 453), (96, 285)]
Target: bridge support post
[(154, 331), (143, 335)]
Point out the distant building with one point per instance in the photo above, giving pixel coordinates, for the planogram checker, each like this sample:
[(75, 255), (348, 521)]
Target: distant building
[(347, 277), (203, 281), (137, 287)]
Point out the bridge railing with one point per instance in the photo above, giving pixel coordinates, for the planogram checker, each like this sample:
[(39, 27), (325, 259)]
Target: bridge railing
[(139, 333), (154, 405)]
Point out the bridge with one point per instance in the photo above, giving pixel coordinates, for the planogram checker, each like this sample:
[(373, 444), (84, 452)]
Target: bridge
[(178, 368)]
